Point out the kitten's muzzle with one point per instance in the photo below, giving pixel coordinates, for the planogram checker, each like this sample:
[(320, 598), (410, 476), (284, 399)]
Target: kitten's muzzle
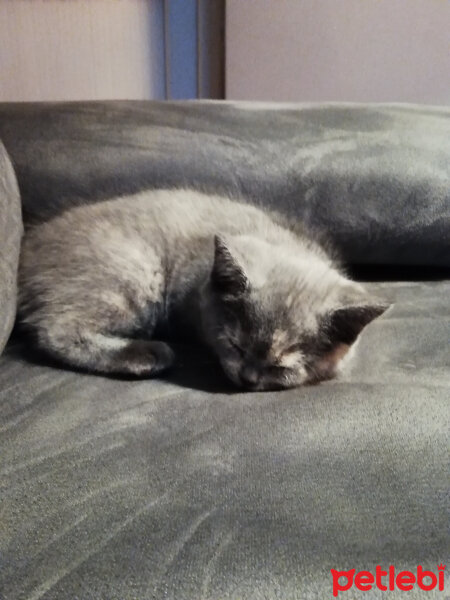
[(249, 377)]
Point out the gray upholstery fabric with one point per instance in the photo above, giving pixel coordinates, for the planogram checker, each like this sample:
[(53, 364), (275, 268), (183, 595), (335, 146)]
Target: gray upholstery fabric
[(183, 489), (375, 177), (115, 490), (10, 236)]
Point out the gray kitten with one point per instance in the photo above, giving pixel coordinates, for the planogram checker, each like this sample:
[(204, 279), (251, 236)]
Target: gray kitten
[(100, 284)]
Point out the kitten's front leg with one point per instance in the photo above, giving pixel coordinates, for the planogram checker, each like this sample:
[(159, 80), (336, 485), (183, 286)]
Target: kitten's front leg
[(98, 338), (142, 358), (101, 352)]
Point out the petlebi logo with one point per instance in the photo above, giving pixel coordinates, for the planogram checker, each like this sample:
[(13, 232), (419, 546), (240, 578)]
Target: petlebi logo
[(388, 580)]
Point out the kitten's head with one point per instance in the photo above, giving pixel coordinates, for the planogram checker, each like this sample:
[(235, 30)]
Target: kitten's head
[(276, 321)]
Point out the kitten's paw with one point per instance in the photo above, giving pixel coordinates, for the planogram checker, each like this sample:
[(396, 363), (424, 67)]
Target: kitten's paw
[(142, 358)]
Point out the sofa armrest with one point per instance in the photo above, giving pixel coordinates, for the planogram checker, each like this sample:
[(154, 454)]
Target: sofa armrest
[(10, 235)]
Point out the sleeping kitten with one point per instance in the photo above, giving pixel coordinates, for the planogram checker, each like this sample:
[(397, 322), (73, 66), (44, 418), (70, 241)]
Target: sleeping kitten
[(101, 283)]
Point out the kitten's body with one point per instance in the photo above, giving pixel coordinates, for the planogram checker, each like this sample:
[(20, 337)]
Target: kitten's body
[(99, 276)]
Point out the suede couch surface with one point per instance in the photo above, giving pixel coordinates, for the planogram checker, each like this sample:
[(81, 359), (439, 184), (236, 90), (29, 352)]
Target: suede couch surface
[(375, 177), (183, 488), (11, 229)]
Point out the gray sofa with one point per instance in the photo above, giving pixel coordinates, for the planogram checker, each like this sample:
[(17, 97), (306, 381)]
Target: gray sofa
[(182, 488)]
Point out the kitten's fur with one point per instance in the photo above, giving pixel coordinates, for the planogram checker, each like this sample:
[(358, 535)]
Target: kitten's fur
[(100, 284)]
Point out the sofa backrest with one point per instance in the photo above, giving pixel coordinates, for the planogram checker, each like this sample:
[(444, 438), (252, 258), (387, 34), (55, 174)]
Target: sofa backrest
[(376, 178)]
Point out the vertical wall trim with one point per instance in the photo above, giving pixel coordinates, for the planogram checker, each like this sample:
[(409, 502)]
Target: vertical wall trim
[(167, 50), (194, 43), (200, 56), (211, 48), (182, 48)]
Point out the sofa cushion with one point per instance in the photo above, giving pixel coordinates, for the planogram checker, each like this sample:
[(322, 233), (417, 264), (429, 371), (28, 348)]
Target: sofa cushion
[(376, 178), (10, 236), (182, 490)]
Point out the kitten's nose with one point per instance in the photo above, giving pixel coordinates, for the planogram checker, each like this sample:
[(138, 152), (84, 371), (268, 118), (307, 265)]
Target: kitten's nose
[(249, 376)]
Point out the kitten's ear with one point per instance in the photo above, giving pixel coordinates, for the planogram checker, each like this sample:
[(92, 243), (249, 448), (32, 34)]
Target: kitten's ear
[(339, 329), (227, 276), (344, 324)]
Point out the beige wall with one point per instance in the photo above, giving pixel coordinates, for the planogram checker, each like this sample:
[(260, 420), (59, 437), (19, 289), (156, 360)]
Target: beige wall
[(80, 49), (338, 50)]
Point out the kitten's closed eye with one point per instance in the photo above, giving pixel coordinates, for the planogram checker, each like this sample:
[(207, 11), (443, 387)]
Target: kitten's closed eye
[(276, 370), (291, 349), (236, 347)]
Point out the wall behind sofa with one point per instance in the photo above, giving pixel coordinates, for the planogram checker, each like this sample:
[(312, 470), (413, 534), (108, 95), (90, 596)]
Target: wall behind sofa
[(81, 49), (111, 49), (338, 50)]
